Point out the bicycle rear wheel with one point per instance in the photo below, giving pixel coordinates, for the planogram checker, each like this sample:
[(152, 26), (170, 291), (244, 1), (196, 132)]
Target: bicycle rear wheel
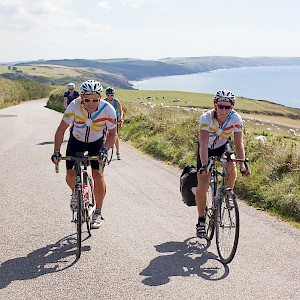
[(209, 214), (79, 221), (228, 227), (89, 198)]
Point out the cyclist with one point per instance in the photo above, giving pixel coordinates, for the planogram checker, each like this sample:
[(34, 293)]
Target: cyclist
[(110, 93), (70, 94), (90, 116), (216, 126)]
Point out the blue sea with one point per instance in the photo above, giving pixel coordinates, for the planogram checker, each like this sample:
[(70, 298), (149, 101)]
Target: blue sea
[(276, 84)]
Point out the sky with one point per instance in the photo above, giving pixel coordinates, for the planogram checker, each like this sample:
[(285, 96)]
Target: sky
[(147, 29)]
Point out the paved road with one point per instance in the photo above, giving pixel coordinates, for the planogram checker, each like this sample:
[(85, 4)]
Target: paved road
[(146, 248)]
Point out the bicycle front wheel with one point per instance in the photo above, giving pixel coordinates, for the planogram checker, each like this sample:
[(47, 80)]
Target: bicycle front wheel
[(89, 201), (227, 227), (209, 214), (79, 221)]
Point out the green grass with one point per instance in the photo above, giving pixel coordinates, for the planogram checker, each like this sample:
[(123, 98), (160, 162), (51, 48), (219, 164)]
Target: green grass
[(13, 92)]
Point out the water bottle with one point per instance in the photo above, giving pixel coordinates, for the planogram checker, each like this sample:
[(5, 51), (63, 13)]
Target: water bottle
[(85, 192)]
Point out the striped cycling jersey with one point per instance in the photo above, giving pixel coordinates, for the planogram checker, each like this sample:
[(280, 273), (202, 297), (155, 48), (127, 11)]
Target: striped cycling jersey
[(219, 134), (89, 127)]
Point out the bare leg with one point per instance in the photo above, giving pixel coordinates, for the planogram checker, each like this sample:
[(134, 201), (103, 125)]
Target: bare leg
[(99, 187), (203, 183), (231, 174), (117, 143), (70, 178)]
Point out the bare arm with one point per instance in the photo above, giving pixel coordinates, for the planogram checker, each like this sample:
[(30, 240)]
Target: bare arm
[(112, 134), (203, 140), (59, 135), (239, 145), (65, 102)]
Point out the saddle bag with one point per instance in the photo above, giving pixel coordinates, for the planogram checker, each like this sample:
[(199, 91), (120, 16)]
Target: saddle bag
[(188, 180)]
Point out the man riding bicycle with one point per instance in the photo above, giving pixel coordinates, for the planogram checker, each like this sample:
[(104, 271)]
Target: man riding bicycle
[(70, 94), (110, 98), (216, 126), (90, 115)]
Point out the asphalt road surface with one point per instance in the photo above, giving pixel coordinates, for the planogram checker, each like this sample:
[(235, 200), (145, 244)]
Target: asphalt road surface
[(146, 247)]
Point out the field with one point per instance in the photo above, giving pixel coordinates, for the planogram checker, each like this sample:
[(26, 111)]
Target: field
[(260, 115)]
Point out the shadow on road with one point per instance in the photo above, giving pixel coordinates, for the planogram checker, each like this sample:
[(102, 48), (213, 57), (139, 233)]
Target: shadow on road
[(50, 143), (188, 258), (52, 258)]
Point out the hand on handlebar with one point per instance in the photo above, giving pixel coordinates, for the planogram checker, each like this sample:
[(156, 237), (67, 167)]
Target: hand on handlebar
[(102, 156), (245, 169), (56, 157)]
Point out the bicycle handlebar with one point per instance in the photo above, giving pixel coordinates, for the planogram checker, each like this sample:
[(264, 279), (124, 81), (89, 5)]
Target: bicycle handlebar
[(226, 159), (75, 158)]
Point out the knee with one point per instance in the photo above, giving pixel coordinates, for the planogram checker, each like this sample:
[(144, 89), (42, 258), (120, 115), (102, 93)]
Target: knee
[(97, 176)]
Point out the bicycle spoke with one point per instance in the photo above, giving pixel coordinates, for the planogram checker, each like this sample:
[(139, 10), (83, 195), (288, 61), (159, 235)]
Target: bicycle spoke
[(227, 228)]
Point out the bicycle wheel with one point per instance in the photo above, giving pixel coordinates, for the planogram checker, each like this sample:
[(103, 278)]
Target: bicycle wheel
[(228, 227), (89, 200), (79, 221), (110, 153), (209, 214)]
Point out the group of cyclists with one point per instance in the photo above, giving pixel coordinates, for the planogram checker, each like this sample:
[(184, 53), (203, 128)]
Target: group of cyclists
[(91, 117)]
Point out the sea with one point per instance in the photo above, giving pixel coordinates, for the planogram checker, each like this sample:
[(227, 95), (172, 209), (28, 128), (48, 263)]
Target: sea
[(276, 84)]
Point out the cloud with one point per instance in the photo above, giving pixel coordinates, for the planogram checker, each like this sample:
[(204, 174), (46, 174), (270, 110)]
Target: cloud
[(137, 3), (104, 5)]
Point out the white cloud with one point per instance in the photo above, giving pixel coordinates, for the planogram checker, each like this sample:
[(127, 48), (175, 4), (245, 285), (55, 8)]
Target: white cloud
[(137, 3), (104, 5)]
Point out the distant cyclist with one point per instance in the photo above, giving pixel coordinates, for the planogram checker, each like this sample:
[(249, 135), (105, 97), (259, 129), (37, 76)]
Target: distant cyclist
[(110, 98), (70, 94), (216, 126), (90, 116)]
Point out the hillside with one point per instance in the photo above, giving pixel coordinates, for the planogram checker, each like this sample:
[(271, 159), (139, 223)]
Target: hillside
[(137, 69)]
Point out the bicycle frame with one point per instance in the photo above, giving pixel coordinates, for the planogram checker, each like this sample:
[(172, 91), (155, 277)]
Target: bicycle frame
[(84, 211), (222, 211)]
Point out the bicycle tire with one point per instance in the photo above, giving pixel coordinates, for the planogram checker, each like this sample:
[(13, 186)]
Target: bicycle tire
[(227, 227), (79, 222), (90, 201), (210, 214)]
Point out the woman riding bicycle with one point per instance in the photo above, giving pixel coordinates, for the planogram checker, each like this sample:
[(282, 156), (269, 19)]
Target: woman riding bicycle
[(216, 126)]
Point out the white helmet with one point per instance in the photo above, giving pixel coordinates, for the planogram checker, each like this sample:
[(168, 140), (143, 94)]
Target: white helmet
[(224, 95), (91, 87), (71, 85)]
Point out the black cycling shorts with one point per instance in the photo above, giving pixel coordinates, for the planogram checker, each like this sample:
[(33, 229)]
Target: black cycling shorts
[(213, 152), (77, 146)]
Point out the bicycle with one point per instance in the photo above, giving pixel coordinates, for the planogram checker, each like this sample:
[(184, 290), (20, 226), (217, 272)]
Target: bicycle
[(222, 212), (84, 191)]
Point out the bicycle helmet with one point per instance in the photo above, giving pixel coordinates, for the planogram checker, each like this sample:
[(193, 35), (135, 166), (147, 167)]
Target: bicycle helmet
[(71, 86), (110, 90), (224, 95), (91, 87)]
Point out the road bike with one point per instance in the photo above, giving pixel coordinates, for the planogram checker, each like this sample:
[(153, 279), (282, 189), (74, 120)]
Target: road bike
[(84, 193), (222, 212)]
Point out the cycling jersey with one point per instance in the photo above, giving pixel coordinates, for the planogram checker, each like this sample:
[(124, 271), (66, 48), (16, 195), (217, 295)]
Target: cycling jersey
[(71, 97), (115, 105), (88, 127), (219, 134)]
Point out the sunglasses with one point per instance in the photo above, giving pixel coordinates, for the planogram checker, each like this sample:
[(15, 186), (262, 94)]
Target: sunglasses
[(109, 94), (220, 106), (87, 100)]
